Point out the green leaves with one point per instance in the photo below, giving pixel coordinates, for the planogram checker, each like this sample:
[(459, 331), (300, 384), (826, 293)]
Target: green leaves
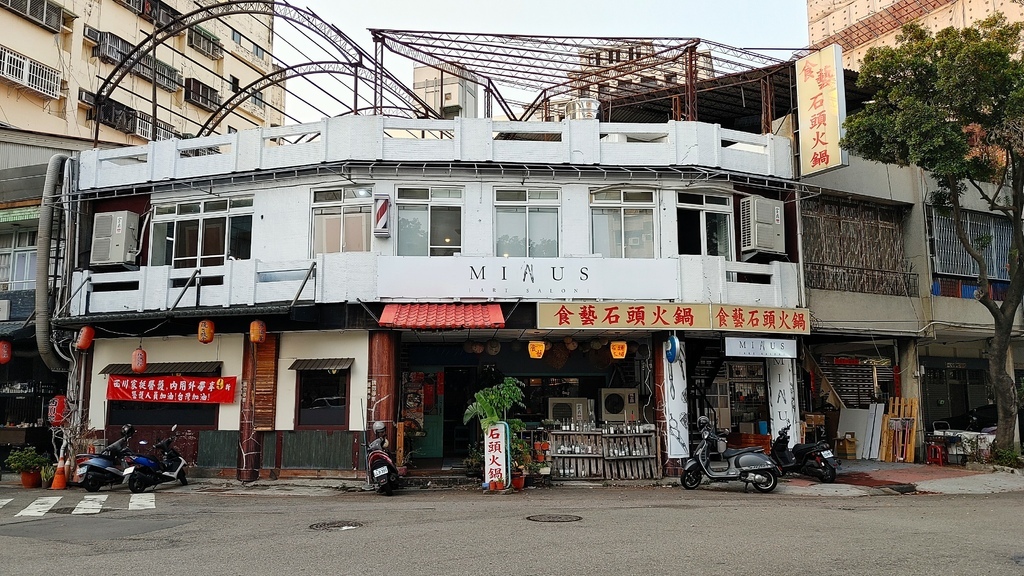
[(492, 403), (942, 101)]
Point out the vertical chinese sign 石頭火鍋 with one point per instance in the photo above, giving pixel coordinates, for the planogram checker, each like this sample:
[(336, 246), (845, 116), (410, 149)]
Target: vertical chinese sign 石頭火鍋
[(496, 453), (821, 99)]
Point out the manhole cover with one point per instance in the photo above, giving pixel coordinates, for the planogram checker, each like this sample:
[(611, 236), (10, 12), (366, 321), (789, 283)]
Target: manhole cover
[(554, 518), (336, 525), (902, 488)]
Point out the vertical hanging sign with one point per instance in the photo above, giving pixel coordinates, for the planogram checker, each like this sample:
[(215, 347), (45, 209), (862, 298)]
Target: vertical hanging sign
[(821, 98), (381, 220), (677, 420), (496, 453), (782, 399)]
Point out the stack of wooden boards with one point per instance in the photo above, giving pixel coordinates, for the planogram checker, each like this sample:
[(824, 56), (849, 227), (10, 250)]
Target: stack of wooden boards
[(899, 430)]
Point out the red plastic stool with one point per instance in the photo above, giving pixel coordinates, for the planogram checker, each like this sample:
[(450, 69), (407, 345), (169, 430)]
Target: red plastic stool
[(937, 454)]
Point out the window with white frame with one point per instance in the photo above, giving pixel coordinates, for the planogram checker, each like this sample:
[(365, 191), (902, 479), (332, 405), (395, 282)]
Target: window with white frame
[(704, 224), (526, 222), (18, 260), (429, 221), (342, 220), (622, 223), (202, 233)]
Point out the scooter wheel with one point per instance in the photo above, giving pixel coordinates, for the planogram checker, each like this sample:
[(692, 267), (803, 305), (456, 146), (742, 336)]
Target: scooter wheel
[(136, 484), (691, 479), (769, 484), (182, 478), (91, 483), (389, 490), (828, 473)]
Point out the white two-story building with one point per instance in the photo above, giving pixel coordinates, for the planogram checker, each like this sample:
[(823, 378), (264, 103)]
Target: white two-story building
[(395, 276)]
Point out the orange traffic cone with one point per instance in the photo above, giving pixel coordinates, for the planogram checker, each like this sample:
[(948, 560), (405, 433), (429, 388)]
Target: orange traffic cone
[(60, 478)]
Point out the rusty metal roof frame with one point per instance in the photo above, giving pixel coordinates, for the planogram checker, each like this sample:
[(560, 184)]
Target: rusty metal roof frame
[(636, 79)]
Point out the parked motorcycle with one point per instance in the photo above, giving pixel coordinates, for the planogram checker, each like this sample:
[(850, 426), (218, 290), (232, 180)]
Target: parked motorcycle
[(145, 471), (748, 465), (93, 471), (815, 459), (381, 469)]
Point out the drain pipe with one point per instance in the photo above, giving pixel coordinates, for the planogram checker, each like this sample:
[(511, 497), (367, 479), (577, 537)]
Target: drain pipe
[(43, 242)]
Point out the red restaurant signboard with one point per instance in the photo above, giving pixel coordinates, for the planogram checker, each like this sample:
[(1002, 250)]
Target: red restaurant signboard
[(189, 389)]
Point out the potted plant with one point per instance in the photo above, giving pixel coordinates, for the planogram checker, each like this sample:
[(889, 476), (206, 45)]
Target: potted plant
[(491, 406), (28, 463), (46, 473)]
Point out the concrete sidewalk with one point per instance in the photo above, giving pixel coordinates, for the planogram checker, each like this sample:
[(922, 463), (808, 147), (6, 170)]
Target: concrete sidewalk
[(856, 478), (868, 477)]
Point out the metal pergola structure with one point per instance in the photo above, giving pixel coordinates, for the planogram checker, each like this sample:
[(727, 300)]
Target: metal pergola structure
[(635, 79), (528, 77)]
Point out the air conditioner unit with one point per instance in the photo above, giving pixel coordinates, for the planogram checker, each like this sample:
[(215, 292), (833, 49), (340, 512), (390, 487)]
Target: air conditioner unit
[(762, 225), (619, 404), (115, 238), (572, 409), (92, 34)]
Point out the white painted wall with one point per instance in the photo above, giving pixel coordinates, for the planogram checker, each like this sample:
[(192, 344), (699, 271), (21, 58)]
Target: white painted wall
[(299, 345), (226, 348)]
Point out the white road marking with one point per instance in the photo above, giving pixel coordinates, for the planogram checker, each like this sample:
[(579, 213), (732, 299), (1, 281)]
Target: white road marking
[(5, 501), (142, 501), (90, 504), (40, 506)]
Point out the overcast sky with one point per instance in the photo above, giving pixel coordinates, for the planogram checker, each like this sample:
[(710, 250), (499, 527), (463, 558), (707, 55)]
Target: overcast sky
[(748, 24)]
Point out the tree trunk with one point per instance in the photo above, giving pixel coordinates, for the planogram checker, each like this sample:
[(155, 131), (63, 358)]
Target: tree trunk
[(1003, 385)]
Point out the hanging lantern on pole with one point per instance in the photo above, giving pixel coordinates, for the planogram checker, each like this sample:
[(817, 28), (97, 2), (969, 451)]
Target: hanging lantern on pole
[(5, 352), (206, 331), (139, 360), (257, 331), (57, 409), (85, 336)]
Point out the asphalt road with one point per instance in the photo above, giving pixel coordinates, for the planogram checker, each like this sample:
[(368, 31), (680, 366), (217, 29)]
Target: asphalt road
[(619, 531)]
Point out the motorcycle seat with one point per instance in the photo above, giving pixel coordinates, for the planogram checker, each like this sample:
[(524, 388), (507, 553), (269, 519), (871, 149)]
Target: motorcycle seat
[(729, 453)]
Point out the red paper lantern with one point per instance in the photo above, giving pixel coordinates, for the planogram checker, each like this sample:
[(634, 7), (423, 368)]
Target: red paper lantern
[(85, 336), (56, 410), (206, 331), (257, 331), (5, 352), (139, 360)]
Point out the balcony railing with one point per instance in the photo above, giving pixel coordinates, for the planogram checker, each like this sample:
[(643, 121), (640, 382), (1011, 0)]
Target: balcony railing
[(353, 276), (471, 140), (860, 280)]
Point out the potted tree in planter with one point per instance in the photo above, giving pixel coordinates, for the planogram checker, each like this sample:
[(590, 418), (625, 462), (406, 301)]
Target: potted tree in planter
[(491, 406), (28, 463)]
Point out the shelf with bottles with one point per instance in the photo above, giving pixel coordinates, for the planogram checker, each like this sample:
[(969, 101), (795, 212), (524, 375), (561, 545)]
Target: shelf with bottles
[(567, 443), (631, 457), (629, 446)]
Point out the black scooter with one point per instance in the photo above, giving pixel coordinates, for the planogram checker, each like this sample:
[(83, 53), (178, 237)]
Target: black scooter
[(816, 460), (165, 465), (93, 471), (748, 465)]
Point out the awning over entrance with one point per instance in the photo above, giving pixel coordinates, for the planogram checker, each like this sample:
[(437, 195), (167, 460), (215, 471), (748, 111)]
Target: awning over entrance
[(321, 364), (442, 316), (165, 368)]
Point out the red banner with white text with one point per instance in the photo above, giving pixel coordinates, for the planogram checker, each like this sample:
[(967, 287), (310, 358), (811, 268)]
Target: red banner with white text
[(192, 389)]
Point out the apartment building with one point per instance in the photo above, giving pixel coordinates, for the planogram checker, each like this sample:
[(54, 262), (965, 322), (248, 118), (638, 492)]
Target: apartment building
[(906, 291), (57, 53), (857, 25)]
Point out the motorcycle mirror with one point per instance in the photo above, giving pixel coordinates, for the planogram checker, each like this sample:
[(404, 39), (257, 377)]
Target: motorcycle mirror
[(173, 428)]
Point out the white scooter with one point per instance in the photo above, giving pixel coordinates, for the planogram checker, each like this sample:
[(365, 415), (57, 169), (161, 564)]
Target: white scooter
[(748, 465)]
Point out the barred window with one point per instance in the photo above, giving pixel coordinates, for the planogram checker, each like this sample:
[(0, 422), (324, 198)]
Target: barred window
[(991, 235)]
